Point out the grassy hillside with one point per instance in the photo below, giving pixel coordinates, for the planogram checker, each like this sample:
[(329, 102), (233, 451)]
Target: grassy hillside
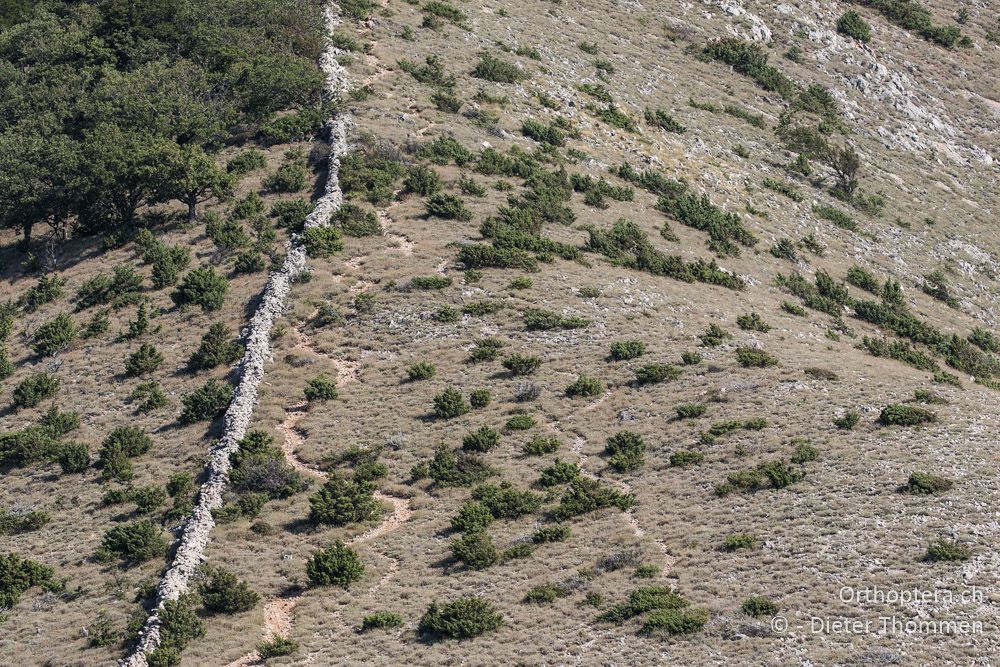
[(643, 331)]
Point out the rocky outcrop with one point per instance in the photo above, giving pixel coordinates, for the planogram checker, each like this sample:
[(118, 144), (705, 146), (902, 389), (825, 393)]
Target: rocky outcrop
[(196, 531)]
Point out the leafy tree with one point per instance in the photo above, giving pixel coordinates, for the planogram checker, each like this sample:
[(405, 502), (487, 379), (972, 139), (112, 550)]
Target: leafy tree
[(194, 177), (337, 566)]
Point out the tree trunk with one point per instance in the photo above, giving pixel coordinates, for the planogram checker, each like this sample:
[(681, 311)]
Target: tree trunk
[(192, 209), (26, 228)]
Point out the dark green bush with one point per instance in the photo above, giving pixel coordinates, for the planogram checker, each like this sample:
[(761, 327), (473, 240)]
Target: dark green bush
[(134, 543), (750, 357), (206, 402), (338, 565), (626, 450), (320, 388), (449, 207), (675, 621), (683, 458), (450, 404), (585, 386), (149, 396), (54, 336), (291, 213), (74, 457), (757, 606), (322, 241), (34, 389), (690, 410), (898, 414), (627, 349), (774, 474), (223, 593), (430, 282), (245, 162), (18, 575), (143, 361), (559, 472), (475, 550), (506, 502), (558, 533), (848, 421), (479, 398), (355, 221), (422, 181), (457, 468), (714, 336), (461, 619), (381, 620), (519, 423), (484, 439), (493, 69), (752, 322), (926, 483), (46, 290), (947, 551), (288, 178), (750, 59), (278, 646), (587, 495), (201, 287), (217, 348), (519, 364), (472, 516), (656, 373), (420, 371), (739, 541), (340, 502), (642, 600), (539, 446)]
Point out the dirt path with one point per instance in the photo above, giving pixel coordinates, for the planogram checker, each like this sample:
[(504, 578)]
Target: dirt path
[(347, 371), (278, 611)]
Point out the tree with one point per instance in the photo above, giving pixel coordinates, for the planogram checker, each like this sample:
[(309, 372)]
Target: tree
[(194, 177), (846, 163)]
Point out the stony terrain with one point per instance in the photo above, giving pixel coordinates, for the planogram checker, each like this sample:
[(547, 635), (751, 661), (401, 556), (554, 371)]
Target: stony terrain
[(764, 450)]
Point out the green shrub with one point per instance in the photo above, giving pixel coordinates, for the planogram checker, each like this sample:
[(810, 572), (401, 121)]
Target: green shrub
[(739, 541), (148, 498), (675, 621), (664, 120), (750, 357), (493, 69), (291, 214), (925, 483), (8, 315), (752, 322), (322, 241), (245, 162), (757, 606), (475, 550), (656, 373), (381, 620), (168, 262), (774, 474), (948, 551), (320, 388), (848, 421), (626, 450), (54, 336), (338, 565), (19, 520), (120, 288), (223, 593), (851, 24), (133, 543), (506, 502), (422, 181), (558, 473), (46, 290), (784, 249), (487, 349), (472, 516), (217, 348), (519, 364), (420, 371), (542, 133), (430, 282), (587, 495), (18, 575), (684, 458), (750, 59), (206, 402), (479, 398), (449, 207), (228, 234), (34, 389), (484, 439), (690, 410), (691, 358), (450, 404), (558, 533), (642, 600), (278, 646), (6, 365), (519, 423), (714, 336), (355, 221), (201, 287), (446, 314), (585, 386), (74, 457), (457, 468), (288, 178), (143, 361), (539, 446), (537, 319), (463, 618), (340, 502), (897, 414), (521, 282), (627, 349), (149, 396)]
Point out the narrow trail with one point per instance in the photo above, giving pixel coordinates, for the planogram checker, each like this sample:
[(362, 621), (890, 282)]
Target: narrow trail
[(278, 612), (347, 371)]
